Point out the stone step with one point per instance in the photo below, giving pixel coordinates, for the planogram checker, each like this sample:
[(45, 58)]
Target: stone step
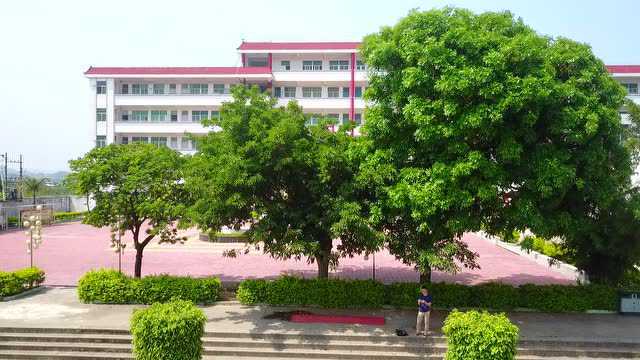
[(54, 355)]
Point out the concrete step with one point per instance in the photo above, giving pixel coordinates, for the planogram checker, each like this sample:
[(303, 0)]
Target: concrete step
[(54, 355)]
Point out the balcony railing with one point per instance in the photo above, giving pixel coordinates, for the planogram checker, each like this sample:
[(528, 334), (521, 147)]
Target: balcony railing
[(227, 92)]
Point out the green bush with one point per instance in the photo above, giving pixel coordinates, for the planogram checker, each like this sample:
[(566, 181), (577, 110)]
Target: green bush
[(168, 331), (477, 335), (12, 221), (12, 283), (67, 216), (343, 293), (327, 293), (111, 287)]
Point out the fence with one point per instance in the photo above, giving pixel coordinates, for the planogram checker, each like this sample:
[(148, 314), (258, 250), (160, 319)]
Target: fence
[(10, 211)]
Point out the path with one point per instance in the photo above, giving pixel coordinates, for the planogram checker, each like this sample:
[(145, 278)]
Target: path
[(69, 250)]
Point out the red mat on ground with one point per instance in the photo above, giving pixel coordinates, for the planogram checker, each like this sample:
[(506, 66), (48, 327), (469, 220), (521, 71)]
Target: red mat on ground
[(337, 319)]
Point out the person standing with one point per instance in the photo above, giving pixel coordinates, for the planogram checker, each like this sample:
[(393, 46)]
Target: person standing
[(424, 311)]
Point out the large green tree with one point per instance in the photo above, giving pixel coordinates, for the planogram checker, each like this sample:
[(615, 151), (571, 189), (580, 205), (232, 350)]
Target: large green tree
[(294, 184), (136, 187), (491, 126)]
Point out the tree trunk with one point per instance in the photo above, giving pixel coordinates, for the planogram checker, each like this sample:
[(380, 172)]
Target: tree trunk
[(138, 266), (322, 258), (34, 198), (425, 275), (323, 265)]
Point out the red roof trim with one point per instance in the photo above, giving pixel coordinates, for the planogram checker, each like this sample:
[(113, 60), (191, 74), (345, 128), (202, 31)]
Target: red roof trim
[(350, 45), (623, 69), (177, 70)]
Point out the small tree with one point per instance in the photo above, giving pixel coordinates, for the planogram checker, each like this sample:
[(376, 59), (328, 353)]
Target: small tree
[(34, 186), (293, 183), (136, 187)]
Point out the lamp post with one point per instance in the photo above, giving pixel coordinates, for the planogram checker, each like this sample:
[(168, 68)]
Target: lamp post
[(34, 232), (116, 242), (373, 267)]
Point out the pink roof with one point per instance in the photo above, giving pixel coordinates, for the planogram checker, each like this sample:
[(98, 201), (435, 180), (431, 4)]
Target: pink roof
[(177, 70), (623, 69), (352, 45)]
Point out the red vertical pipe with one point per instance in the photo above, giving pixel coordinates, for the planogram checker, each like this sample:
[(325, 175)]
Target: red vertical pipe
[(244, 60), (270, 61), (352, 88)]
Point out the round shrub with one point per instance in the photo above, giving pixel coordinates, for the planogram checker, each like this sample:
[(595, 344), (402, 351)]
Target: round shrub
[(252, 291), (12, 283), (105, 286), (168, 331), (477, 335)]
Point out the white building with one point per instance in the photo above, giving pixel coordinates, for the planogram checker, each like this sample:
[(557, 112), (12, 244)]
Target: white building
[(162, 105), (629, 77)]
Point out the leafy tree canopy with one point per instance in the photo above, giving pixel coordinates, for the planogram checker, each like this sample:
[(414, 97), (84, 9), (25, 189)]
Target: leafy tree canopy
[(484, 124), (136, 187), (294, 184)]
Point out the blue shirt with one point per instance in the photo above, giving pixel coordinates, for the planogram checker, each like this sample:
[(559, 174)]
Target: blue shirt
[(424, 307)]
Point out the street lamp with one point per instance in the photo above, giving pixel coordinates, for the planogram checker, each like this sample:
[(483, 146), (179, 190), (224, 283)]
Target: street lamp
[(116, 242), (34, 232)]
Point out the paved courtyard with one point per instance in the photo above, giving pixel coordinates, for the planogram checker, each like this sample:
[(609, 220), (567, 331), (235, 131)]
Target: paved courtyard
[(71, 249)]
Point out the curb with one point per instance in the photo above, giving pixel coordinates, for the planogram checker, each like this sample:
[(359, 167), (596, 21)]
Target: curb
[(25, 293)]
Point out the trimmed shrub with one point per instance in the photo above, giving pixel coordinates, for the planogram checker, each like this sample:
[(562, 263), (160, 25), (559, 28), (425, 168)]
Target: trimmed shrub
[(168, 331), (338, 293), (477, 335), (327, 293), (13, 283), (68, 216), (111, 287)]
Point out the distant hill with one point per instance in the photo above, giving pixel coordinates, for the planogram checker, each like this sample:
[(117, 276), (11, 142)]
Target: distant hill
[(55, 177)]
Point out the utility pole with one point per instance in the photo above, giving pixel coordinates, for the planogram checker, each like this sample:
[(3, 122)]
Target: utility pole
[(20, 180)]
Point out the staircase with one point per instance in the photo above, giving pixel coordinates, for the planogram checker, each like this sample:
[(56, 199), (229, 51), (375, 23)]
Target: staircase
[(72, 344)]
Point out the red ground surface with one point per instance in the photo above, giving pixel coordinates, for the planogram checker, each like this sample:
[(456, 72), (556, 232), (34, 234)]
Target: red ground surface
[(71, 249)]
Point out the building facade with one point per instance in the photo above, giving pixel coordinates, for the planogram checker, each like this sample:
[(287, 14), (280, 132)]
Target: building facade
[(163, 105)]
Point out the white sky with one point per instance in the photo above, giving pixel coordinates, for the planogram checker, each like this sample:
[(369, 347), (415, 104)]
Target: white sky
[(45, 46)]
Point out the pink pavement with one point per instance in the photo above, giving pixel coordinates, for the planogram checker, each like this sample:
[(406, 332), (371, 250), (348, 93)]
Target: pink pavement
[(69, 250)]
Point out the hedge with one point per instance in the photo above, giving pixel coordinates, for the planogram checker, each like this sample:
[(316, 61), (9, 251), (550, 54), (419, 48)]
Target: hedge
[(338, 293), (168, 331), (112, 287), (477, 335), (67, 216), (12, 283), (317, 292)]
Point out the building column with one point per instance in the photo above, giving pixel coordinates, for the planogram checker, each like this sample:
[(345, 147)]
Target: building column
[(270, 62), (352, 88)]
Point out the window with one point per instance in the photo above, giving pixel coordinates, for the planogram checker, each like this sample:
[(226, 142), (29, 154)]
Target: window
[(197, 115), (186, 144), (174, 143), (124, 140), (312, 65), (139, 115), (218, 88), (139, 89), (334, 117), (159, 140), (313, 119), (139, 139), (125, 89), (257, 61), (311, 92), (285, 65), (333, 92), (124, 116), (358, 91), (172, 88), (277, 92), (101, 141), (195, 89), (357, 118), (158, 115), (158, 89), (345, 92), (101, 114), (101, 87), (289, 91), (339, 65), (174, 116), (632, 88), (184, 116), (215, 115), (360, 65), (345, 119)]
